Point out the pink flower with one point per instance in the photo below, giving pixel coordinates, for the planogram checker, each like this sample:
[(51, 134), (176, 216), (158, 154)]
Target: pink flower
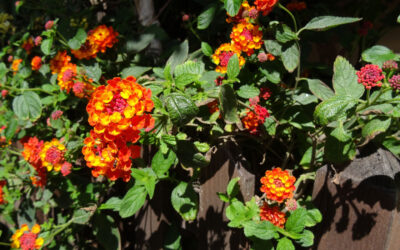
[(78, 88), (10, 58), (66, 168), (395, 82), (56, 114), (370, 76), (262, 57), (291, 204), (185, 17), (254, 101), (49, 24), (38, 40), (390, 65), (4, 93)]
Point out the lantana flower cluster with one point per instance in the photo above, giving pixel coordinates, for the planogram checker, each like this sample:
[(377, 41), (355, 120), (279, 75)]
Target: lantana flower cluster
[(117, 112), (278, 186), (27, 239), (246, 35), (256, 117), (45, 157)]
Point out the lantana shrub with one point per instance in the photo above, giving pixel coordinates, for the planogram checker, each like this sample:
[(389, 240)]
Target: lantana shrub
[(94, 116)]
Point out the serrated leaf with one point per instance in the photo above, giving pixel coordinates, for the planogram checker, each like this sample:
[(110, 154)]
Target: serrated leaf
[(145, 177), (179, 55), (322, 23), (133, 200), (27, 106), (228, 102), (106, 232), (296, 221), (161, 163), (45, 46), (184, 79), (248, 91), (378, 54), (189, 156), (285, 244), (223, 197), (206, 49), (233, 67), (202, 146), (345, 79), (180, 108), (81, 217), (320, 89), (375, 127), (314, 216), (232, 6), (189, 67), (290, 56), (333, 109), (273, 47), (94, 72), (205, 18), (113, 203), (264, 230), (340, 134), (337, 151), (307, 239), (233, 187), (10, 129), (185, 201), (284, 34), (392, 144)]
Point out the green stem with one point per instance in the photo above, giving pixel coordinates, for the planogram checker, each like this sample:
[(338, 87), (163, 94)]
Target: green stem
[(304, 177), (28, 89), (245, 105), (4, 244), (368, 96), (14, 152), (290, 14)]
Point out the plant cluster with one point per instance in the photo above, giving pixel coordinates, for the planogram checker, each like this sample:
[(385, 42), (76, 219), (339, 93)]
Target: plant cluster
[(91, 121)]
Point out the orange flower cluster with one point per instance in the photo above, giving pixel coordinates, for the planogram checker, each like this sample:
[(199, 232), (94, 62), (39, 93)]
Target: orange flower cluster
[(245, 11), (278, 185), (15, 65), (265, 6), (27, 239), (250, 122), (223, 54), (43, 156), (247, 37), (59, 61), (296, 5), (36, 63), (213, 106), (68, 77), (111, 158), (2, 184), (98, 40), (273, 215), (117, 112)]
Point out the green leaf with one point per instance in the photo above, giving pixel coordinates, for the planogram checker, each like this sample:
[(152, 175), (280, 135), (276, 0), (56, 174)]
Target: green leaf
[(341, 134), (223, 197), (398, 19), (284, 34), (248, 91), (233, 187), (3, 70), (271, 70), (264, 230), (205, 18), (233, 67), (378, 54), (167, 72), (181, 108), (333, 109), (185, 201), (27, 106), (106, 232), (296, 221), (307, 239), (206, 49), (320, 89), (375, 127), (345, 79), (11, 128), (182, 80), (273, 47), (322, 23), (285, 244), (172, 239), (202, 146), (337, 151), (314, 216), (392, 144), (304, 98), (189, 156), (81, 216), (179, 55), (232, 6), (270, 125), (227, 99), (45, 46), (113, 203), (133, 200), (290, 56), (237, 213), (135, 71), (94, 72), (189, 67), (161, 163), (147, 178)]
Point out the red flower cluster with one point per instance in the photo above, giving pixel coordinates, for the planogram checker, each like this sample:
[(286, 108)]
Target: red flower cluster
[(395, 82), (254, 119), (117, 112), (296, 5), (2, 184), (370, 76), (273, 215), (36, 63), (265, 6)]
